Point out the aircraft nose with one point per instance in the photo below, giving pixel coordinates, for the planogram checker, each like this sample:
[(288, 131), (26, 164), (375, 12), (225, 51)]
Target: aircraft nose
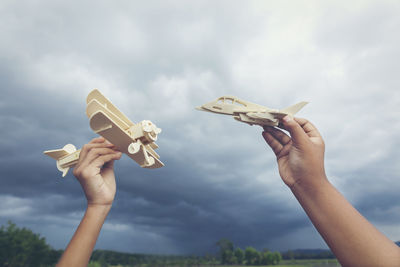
[(200, 108)]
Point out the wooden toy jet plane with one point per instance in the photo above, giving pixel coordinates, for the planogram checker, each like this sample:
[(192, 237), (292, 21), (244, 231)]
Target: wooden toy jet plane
[(248, 112), (135, 140)]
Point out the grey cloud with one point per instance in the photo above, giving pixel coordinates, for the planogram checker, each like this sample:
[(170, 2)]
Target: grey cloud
[(158, 61)]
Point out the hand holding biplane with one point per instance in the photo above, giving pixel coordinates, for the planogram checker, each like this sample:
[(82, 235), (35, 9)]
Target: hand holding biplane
[(135, 140)]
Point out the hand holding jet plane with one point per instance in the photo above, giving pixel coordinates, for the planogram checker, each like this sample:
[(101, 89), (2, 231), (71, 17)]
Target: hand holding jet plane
[(248, 112)]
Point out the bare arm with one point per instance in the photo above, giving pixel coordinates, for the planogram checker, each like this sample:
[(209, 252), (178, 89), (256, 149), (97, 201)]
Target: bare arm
[(353, 240), (95, 173)]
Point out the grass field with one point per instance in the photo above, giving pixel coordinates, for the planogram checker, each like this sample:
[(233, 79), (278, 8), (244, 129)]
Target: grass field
[(283, 263), (309, 263), (296, 263)]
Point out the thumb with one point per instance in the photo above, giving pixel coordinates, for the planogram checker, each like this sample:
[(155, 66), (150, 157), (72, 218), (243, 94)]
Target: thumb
[(299, 137)]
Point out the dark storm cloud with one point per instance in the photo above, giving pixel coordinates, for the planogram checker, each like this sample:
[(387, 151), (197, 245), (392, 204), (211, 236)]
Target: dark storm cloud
[(158, 61), (184, 205)]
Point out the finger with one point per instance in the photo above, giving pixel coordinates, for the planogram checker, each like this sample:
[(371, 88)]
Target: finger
[(107, 169), (285, 151), (91, 145), (103, 159), (299, 136), (99, 139), (92, 154), (97, 152), (109, 143), (308, 127), (278, 134), (89, 162), (109, 165), (273, 143)]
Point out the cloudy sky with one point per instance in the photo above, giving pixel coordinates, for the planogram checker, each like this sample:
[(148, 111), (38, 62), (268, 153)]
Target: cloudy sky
[(157, 60)]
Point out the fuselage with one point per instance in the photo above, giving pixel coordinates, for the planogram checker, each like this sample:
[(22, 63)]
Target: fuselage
[(241, 110)]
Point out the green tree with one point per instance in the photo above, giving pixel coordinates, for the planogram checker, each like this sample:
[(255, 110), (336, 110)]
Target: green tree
[(228, 257), (213, 261), (94, 264), (239, 254), (225, 244), (225, 250), (103, 262), (22, 247), (267, 258), (277, 257), (252, 256)]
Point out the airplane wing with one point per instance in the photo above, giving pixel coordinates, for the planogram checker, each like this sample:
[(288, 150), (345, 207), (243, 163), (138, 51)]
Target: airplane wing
[(101, 123), (101, 99), (278, 114), (94, 106), (261, 116)]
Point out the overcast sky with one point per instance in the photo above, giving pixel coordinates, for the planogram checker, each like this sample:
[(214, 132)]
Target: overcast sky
[(157, 60)]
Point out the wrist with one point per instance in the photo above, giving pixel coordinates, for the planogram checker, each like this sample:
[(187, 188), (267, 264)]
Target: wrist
[(101, 209), (311, 187)]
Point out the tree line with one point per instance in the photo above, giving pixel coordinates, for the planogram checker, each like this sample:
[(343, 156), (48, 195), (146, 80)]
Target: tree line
[(20, 247), (105, 258), (249, 256)]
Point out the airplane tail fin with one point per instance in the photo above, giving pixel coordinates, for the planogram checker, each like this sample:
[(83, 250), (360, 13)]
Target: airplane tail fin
[(294, 109), (66, 157), (59, 153)]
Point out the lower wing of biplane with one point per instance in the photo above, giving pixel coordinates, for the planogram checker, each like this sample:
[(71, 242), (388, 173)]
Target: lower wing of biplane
[(135, 140)]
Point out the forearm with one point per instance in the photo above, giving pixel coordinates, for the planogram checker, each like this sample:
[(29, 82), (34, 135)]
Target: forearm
[(80, 248), (353, 240)]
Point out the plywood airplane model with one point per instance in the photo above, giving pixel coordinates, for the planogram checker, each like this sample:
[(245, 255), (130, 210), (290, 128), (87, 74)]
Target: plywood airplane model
[(135, 140), (248, 112)]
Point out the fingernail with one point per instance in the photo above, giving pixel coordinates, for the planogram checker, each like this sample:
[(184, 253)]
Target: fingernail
[(287, 118)]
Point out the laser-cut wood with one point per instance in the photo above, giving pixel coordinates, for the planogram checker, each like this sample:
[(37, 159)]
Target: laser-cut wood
[(247, 112), (135, 140)]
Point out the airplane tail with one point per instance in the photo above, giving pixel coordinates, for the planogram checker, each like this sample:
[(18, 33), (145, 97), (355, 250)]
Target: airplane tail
[(59, 153), (66, 157), (294, 109)]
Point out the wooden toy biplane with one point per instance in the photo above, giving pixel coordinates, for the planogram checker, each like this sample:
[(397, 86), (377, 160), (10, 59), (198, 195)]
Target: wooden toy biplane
[(135, 140)]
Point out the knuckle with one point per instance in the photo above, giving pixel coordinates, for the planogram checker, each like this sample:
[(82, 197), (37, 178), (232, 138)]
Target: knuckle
[(106, 158), (85, 173), (86, 147), (95, 140), (77, 172), (91, 152)]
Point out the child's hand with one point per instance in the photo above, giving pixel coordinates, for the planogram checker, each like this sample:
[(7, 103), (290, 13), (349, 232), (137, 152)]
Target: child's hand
[(95, 171), (300, 156)]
